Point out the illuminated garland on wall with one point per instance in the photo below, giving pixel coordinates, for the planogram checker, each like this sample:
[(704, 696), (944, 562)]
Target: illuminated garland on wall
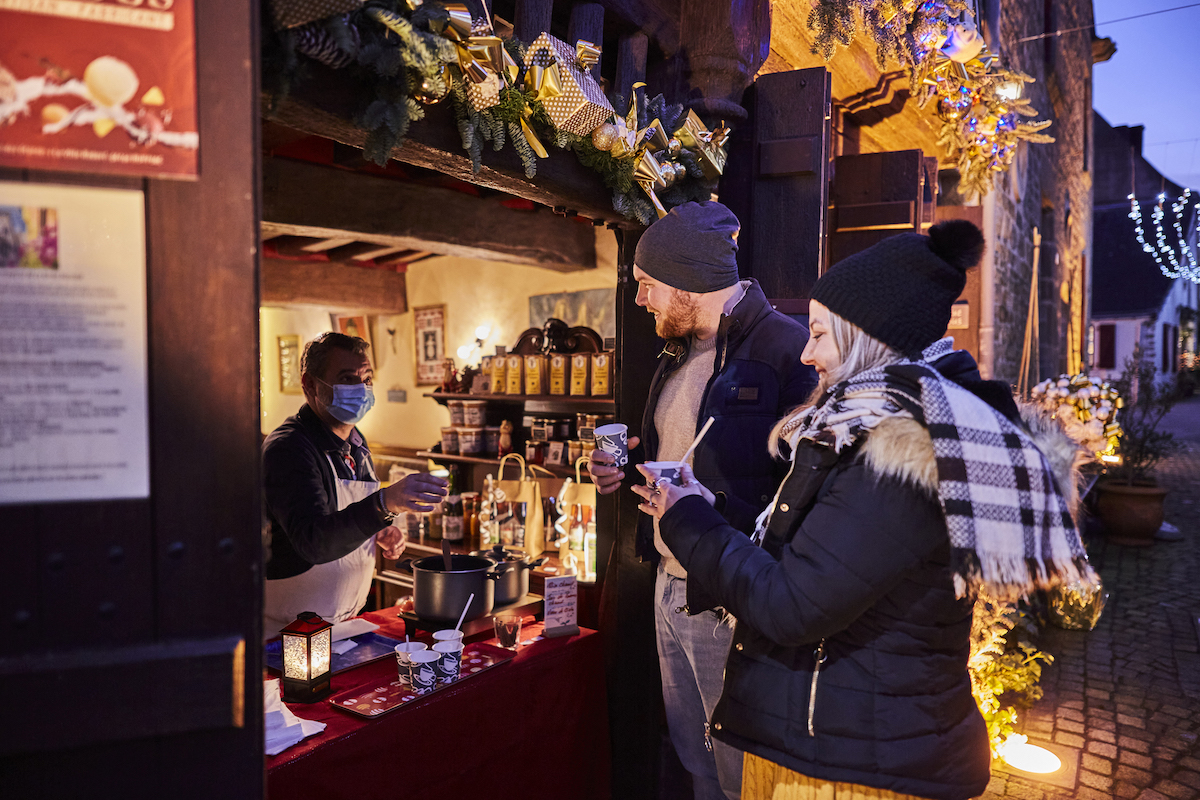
[(1182, 266)]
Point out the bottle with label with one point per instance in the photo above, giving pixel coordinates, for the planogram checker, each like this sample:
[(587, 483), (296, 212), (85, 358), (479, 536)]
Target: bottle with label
[(577, 530), (452, 519), (470, 520), (589, 551)]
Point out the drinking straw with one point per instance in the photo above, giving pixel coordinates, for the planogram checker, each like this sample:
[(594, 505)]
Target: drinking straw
[(696, 441), (464, 612)]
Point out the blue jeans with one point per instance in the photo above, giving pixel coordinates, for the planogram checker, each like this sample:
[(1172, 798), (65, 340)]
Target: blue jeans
[(691, 654)]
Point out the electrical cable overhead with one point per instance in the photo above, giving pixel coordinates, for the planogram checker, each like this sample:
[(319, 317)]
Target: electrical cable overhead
[(1098, 24)]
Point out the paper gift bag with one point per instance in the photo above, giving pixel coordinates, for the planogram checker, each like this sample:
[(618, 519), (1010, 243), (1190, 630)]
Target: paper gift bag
[(577, 492), (525, 489)]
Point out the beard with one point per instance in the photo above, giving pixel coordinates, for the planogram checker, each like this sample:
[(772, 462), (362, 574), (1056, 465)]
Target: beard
[(680, 318)]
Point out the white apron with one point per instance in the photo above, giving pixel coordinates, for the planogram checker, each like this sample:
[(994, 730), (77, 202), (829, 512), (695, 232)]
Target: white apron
[(335, 591)]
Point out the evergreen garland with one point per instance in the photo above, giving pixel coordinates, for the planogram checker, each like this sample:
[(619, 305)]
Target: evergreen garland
[(399, 56)]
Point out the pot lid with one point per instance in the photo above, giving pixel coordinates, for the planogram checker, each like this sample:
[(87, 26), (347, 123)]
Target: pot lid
[(499, 553)]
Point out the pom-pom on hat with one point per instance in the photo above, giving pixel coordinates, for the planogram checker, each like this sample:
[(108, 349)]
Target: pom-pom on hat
[(693, 248), (900, 290)]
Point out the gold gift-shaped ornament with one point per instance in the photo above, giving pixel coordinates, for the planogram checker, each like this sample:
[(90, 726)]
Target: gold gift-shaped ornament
[(481, 56), (560, 74), (708, 146)]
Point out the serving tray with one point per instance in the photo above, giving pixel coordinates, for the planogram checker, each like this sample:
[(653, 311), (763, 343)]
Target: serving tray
[(373, 701)]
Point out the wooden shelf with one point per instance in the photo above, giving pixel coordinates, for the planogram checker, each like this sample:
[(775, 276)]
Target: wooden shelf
[(554, 469), (536, 403)]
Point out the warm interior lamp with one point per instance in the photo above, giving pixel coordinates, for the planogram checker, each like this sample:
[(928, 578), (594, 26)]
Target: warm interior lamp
[(1110, 459), (1018, 753), (469, 352)]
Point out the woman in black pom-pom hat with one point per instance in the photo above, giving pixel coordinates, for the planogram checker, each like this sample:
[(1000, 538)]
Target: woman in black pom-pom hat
[(914, 485)]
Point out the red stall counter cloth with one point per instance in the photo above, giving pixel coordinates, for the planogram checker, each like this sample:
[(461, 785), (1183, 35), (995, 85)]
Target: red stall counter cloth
[(536, 728), (372, 701)]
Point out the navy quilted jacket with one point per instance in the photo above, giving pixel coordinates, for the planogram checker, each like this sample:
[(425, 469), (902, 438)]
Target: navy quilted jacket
[(854, 571)]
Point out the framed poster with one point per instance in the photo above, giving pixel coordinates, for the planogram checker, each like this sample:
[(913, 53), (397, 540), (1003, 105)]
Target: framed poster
[(352, 325), (73, 375), (429, 335), (289, 364), (99, 86)]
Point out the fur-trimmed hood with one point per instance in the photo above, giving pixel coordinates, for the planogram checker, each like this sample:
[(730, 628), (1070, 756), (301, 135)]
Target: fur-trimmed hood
[(901, 448)]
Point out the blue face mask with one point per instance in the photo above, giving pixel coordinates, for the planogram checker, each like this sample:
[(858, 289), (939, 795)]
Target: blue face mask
[(351, 401)]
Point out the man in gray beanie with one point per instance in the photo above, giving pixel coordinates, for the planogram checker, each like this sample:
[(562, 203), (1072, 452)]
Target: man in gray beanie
[(730, 356)]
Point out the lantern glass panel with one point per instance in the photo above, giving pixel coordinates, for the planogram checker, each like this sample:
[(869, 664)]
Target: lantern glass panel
[(321, 644), (295, 656)]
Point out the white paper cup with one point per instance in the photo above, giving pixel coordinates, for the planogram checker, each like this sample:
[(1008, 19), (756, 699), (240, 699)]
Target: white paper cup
[(404, 652), (448, 635), (614, 440), (423, 665), (671, 470), (450, 660)]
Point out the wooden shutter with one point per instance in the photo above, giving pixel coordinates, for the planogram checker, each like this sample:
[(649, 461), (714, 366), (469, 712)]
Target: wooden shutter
[(1106, 345), (877, 195), (776, 184)]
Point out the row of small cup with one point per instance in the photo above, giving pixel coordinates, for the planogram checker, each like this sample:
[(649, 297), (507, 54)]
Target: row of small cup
[(422, 667)]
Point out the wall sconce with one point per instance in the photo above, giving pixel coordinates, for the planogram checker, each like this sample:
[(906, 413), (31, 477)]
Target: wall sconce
[(306, 665), (469, 353)]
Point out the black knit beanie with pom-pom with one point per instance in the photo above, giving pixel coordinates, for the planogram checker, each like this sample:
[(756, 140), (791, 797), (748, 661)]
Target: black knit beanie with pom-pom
[(901, 290)]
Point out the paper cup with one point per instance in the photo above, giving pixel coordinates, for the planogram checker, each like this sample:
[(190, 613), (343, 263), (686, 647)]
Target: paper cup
[(614, 440), (450, 660), (423, 665), (671, 470), (404, 651), (448, 635)]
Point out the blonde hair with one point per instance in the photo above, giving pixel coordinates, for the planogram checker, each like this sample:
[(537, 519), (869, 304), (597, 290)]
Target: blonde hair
[(860, 351)]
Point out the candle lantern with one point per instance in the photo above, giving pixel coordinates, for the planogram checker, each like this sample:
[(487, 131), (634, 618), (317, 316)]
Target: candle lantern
[(306, 651)]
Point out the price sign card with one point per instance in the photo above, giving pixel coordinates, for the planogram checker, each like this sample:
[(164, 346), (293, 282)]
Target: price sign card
[(562, 609)]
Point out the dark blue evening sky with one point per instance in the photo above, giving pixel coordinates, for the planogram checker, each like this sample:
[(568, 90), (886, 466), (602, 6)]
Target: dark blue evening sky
[(1154, 80)]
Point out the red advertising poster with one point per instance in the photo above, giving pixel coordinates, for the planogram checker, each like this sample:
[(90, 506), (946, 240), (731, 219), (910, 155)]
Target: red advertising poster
[(99, 86)]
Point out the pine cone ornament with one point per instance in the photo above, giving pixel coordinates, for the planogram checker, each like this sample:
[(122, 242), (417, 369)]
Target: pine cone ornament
[(314, 41)]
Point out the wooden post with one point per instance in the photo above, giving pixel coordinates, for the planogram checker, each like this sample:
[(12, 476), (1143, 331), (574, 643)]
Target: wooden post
[(532, 17), (724, 43), (631, 65), (627, 601), (587, 23)]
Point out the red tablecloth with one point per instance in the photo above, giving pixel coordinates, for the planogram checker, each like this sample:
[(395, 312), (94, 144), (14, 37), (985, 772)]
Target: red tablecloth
[(534, 727)]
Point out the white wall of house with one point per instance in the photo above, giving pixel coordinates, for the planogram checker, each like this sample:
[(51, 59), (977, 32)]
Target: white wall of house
[(1147, 331)]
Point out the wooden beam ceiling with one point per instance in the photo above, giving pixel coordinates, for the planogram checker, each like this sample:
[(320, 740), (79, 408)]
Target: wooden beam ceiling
[(338, 287), (302, 199), (855, 72)]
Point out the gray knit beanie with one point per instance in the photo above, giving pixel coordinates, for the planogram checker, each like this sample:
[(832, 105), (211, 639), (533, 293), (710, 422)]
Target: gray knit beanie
[(901, 290), (693, 248)]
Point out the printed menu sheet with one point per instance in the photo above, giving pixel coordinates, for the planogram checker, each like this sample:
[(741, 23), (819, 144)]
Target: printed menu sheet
[(73, 384)]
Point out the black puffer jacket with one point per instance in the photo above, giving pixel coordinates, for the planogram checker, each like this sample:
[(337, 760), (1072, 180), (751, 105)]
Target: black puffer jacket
[(757, 378), (856, 567)]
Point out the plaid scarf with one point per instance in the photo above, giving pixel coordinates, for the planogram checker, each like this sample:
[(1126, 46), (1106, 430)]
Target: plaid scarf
[(1009, 525)]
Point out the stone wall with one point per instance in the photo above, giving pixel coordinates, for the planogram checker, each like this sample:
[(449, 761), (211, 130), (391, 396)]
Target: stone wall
[(1049, 187)]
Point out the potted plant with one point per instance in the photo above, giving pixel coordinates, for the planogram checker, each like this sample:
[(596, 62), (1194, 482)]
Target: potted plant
[(1130, 501)]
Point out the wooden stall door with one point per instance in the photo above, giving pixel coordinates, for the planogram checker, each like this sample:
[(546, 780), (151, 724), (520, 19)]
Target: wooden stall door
[(129, 641), (968, 309)]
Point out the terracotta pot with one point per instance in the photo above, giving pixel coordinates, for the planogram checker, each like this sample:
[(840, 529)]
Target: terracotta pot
[(1131, 514)]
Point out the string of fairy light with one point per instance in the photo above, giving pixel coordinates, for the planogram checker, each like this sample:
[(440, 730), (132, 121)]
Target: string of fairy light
[(1184, 265)]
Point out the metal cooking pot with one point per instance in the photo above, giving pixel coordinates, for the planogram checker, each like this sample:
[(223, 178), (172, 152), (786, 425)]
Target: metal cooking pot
[(513, 566), (439, 596)]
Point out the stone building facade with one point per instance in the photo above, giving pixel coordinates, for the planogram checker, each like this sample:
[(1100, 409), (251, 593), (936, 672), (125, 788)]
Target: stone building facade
[(1048, 188)]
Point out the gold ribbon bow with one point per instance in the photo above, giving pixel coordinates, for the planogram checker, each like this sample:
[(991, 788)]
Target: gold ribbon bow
[(544, 80), (709, 146), (649, 177), (587, 55)]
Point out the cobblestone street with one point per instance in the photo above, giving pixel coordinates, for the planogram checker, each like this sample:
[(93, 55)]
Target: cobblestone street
[(1126, 695)]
